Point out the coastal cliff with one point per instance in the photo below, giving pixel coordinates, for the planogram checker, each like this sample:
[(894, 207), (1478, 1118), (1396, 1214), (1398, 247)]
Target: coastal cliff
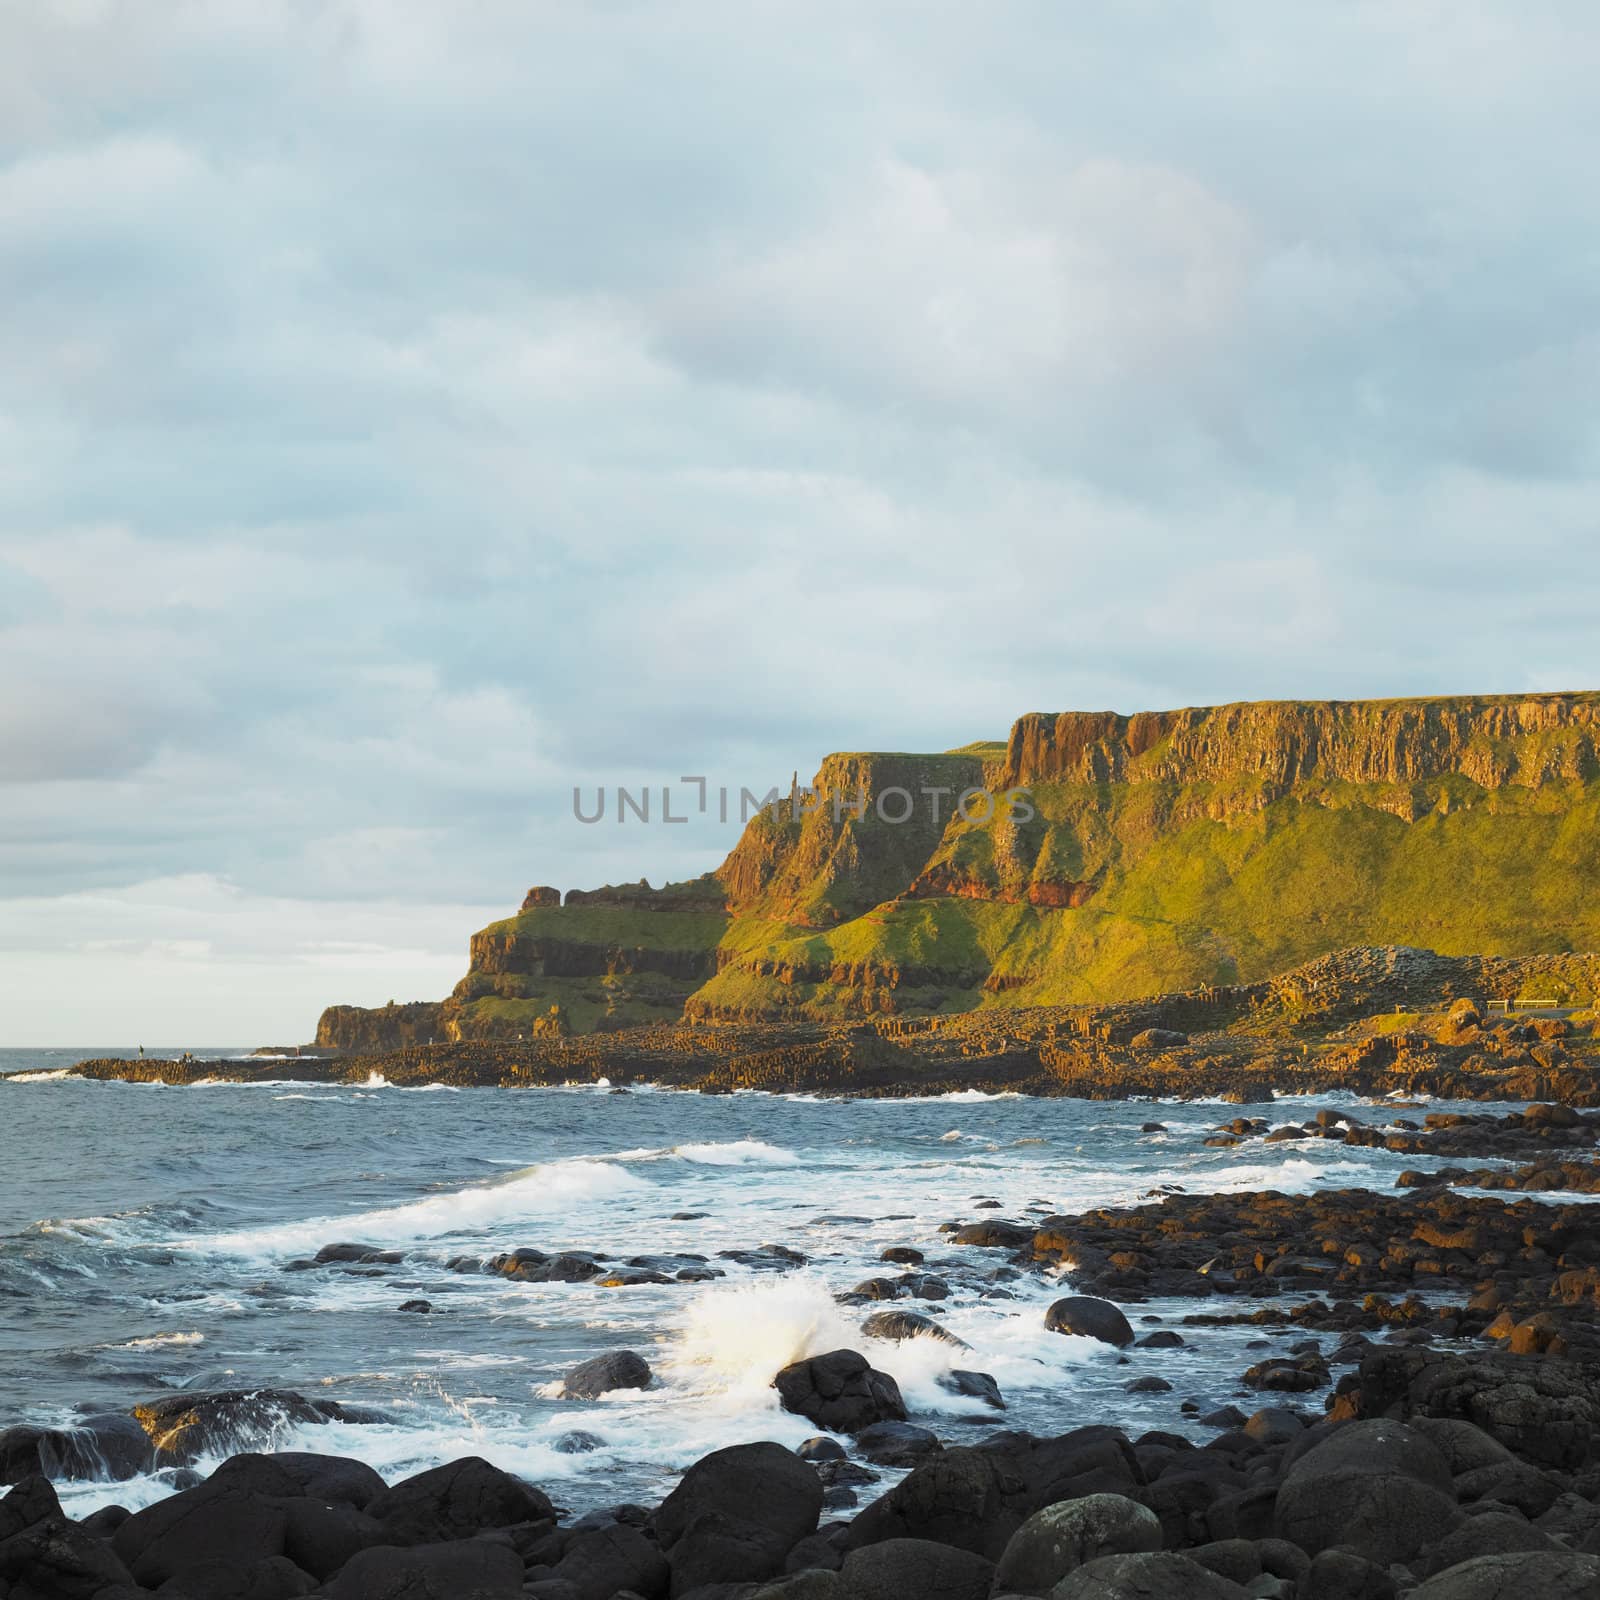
[(1153, 853)]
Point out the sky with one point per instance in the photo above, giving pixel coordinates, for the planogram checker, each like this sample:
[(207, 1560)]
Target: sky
[(411, 411)]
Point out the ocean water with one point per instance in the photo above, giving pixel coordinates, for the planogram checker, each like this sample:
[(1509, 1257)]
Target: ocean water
[(145, 1233)]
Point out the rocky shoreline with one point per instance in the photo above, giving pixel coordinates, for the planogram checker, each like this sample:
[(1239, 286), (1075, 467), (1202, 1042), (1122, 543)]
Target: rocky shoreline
[(1422, 1418), (1373, 1022)]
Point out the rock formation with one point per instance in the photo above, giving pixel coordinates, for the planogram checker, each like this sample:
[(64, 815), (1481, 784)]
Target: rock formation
[(1166, 851)]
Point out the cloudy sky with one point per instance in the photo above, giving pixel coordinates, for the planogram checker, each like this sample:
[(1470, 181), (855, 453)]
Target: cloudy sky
[(410, 410)]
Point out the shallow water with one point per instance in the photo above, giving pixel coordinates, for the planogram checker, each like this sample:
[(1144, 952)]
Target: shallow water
[(145, 1232)]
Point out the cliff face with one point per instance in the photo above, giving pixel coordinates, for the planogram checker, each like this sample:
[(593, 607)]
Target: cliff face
[(1158, 852), (858, 837), (1490, 740)]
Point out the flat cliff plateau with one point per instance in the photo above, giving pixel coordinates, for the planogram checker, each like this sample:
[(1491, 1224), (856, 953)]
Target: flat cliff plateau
[(1156, 853)]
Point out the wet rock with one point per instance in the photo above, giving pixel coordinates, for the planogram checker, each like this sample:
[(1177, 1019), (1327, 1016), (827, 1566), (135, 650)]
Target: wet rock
[(873, 1289), (1094, 1319), (1297, 1376), (897, 1444), (421, 1306), (995, 1235), (576, 1442), (840, 1391), (618, 1369), (364, 1254), (628, 1278), (766, 1258), (183, 1427), (974, 1386), (898, 1325), (820, 1448), (1061, 1538), (1161, 1339), (1149, 1384), (902, 1255), (106, 1446)]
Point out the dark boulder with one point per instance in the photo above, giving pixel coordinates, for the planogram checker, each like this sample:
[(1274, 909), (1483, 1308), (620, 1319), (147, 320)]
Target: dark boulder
[(898, 1568), (276, 1578), (1376, 1488), (736, 1514), (1547, 1575), (1093, 1319), (340, 1478), (184, 1427), (619, 1369), (33, 1500), (1148, 1575), (970, 1498), (1062, 1537), (456, 1501), (820, 1448), (900, 1325), (840, 1391), (1343, 1575), (1495, 1533), (216, 1524), (109, 1446), (1547, 1412), (43, 1556), (462, 1569), (602, 1562)]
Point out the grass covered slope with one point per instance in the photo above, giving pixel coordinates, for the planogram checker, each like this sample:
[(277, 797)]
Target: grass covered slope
[(1466, 826), (1167, 851)]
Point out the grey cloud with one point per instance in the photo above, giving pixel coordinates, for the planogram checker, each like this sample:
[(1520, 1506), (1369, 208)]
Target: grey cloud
[(406, 415)]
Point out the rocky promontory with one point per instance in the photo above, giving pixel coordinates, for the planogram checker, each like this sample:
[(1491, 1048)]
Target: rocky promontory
[(1089, 857)]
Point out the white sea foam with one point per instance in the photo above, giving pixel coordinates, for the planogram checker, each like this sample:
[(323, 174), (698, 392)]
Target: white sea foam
[(733, 1339), (54, 1076), (550, 1188), (156, 1341)]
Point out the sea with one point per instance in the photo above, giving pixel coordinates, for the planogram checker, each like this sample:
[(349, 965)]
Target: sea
[(153, 1241)]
